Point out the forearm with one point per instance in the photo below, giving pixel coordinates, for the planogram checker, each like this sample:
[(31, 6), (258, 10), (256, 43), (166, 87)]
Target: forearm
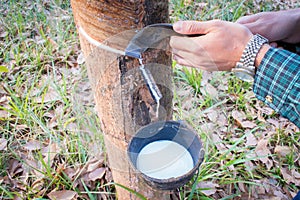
[(261, 54), (295, 35), (277, 26)]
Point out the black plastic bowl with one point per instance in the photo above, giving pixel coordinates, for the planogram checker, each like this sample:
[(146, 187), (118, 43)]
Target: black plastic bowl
[(176, 131)]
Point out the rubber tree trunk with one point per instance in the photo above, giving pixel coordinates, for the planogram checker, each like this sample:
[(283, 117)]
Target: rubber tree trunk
[(123, 101)]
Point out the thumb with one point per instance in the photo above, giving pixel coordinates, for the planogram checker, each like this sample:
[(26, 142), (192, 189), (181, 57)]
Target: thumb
[(193, 27)]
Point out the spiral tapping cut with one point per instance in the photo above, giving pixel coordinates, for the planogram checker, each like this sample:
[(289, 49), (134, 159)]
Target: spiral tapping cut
[(153, 88)]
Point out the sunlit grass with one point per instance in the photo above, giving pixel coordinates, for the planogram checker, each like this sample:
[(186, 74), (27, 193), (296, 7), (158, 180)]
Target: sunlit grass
[(36, 60), (36, 55)]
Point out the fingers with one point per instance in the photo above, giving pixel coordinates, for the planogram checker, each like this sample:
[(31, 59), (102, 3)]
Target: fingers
[(183, 43), (186, 51), (189, 63), (250, 22), (250, 18), (201, 61), (220, 47), (184, 58), (246, 20), (194, 27), (182, 61), (252, 26)]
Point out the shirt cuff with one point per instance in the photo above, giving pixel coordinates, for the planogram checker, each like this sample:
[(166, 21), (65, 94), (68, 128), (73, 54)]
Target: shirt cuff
[(277, 83)]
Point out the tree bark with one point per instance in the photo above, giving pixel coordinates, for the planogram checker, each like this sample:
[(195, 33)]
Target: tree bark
[(123, 101)]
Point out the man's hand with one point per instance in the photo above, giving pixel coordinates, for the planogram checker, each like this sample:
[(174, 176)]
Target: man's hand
[(219, 48), (276, 26)]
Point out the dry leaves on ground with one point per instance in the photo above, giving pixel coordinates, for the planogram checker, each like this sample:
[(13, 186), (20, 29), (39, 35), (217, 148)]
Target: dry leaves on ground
[(30, 172), (225, 123), (62, 195)]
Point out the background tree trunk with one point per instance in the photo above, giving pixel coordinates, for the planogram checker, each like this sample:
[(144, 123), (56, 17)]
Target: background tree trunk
[(123, 102)]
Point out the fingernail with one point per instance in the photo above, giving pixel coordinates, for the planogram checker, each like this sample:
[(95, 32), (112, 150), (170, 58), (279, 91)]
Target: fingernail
[(177, 26), (273, 44)]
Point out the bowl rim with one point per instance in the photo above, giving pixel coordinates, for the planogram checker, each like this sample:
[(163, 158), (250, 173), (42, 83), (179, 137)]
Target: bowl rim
[(190, 173)]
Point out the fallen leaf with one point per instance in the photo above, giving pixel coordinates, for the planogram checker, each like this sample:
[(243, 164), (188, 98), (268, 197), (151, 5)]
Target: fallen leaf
[(242, 186), (62, 195), (50, 95), (96, 174), (38, 184), (201, 5), (267, 110), (222, 120), (4, 114), (50, 152), (218, 142), (279, 196), (273, 122), (260, 117), (4, 98), (108, 175), (71, 172), (15, 167), (80, 58), (33, 145), (263, 152), (207, 187), (223, 87), (3, 144), (248, 124), (282, 150), (71, 126), (207, 127), (188, 103), (251, 140), (3, 34), (288, 176), (295, 174), (206, 76), (34, 167), (276, 198), (238, 116), (21, 127), (55, 45), (94, 164), (249, 165), (259, 189), (16, 197), (213, 115), (209, 90)]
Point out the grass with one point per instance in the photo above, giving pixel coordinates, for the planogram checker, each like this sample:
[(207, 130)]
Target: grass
[(50, 125), (229, 168), (191, 76), (42, 100)]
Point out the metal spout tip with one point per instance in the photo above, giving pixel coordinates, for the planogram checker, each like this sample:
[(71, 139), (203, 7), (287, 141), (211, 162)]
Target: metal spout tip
[(133, 54)]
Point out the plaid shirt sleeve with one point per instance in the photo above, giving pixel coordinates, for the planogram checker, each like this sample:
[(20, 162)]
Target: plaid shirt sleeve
[(277, 83)]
